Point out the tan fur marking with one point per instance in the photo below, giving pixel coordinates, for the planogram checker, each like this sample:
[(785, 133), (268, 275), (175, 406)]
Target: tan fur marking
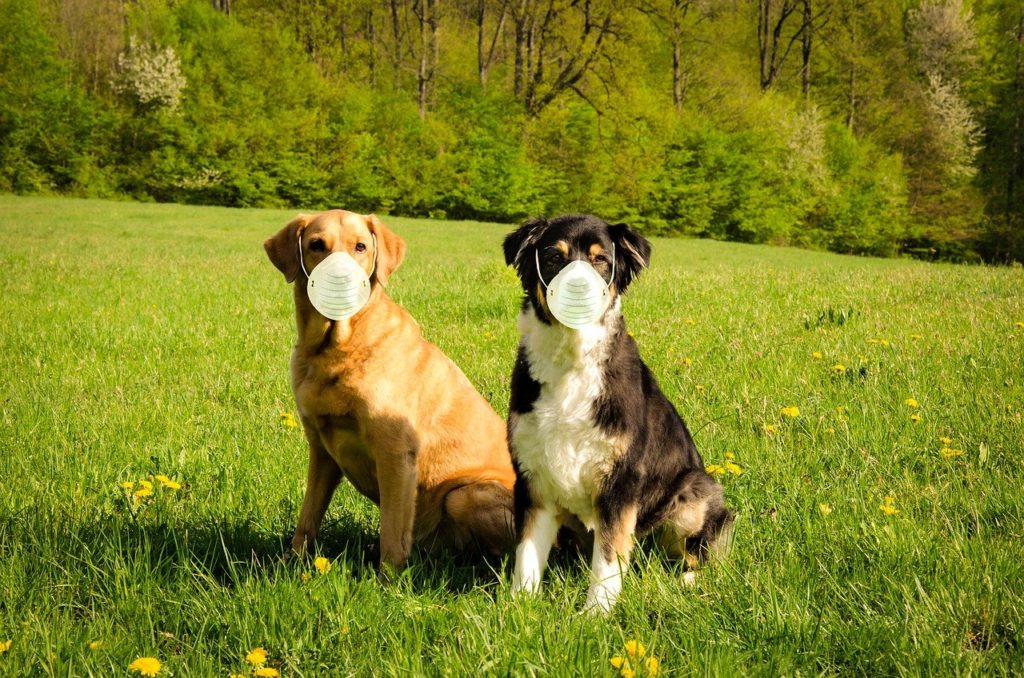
[(563, 247), (618, 537), (595, 250), (687, 521)]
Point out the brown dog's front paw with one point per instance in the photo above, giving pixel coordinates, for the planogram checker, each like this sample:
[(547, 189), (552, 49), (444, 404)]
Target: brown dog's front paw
[(388, 573)]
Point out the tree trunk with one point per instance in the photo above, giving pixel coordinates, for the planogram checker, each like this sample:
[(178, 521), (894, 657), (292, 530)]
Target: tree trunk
[(805, 71), (1016, 168), (371, 36), (485, 55), (520, 21), (426, 13), (853, 94), (421, 70), (222, 6), (481, 69), (677, 68), (396, 34)]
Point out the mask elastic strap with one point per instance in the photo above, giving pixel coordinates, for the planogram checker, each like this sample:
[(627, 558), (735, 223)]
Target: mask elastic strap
[(301, 262), (536, 258), (372, 269)]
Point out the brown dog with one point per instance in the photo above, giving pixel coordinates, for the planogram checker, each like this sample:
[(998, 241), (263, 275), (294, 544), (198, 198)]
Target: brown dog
[(388, 410)]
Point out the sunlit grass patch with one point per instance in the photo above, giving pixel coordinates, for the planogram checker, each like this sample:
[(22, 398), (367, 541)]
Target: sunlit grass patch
[(146, 347)]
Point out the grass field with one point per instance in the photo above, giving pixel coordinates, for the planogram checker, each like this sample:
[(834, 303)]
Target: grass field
[(143, 340)]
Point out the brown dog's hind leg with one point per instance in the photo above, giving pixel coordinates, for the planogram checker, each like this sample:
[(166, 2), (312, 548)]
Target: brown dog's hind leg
[(481, 513), (322, 479)]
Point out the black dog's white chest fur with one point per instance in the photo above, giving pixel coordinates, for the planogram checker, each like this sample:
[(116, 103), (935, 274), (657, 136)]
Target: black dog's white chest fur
[(562, 449)]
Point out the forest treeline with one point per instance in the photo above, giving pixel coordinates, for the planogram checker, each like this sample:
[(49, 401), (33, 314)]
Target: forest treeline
[(863, 126)]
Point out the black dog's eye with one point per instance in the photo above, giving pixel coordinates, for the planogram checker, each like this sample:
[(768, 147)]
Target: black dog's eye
[(600, 259), (316, 245), (360, 247)]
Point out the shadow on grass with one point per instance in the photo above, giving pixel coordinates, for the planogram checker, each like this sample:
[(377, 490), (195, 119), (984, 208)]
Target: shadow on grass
[(227, 551)]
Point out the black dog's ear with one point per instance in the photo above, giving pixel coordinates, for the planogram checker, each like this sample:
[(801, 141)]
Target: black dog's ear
[(519, 240), (632, 254)]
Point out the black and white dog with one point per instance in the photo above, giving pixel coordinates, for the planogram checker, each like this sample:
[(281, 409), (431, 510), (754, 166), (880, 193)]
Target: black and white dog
[(592, 436)]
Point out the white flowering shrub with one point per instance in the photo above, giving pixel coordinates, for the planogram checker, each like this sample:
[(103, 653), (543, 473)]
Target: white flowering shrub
[(151, 75), (954, 125)]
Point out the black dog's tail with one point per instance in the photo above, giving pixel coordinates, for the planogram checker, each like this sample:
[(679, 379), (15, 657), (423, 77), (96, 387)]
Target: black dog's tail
[(699, 525)]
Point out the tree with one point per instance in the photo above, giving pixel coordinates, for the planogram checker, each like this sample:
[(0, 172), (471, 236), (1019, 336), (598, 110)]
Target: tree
[(557, 44), (485, 54)]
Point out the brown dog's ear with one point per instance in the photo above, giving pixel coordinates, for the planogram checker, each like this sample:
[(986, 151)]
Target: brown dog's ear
[(283, 247), (390, 249)]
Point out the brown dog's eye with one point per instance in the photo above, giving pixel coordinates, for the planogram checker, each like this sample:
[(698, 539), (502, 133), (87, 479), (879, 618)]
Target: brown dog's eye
[(316, 246), (360, 247)]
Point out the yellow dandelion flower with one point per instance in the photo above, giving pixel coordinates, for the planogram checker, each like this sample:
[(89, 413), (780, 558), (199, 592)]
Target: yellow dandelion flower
[(917, 337), (825, 509), (172, 485), (791, 411), (687, 361), (912, 402), (288, 420), (144, 492), (949, 452), (770, 428), (146, 485), (5, 645), (653, 666), (305, 577), (714, 469), (888, 506), (235, 675), (699, 388), (96, 644), (147, 666), (945, 440), (873, 341), (883, 342), (627, 672), (266, 672), (916, 418), (617, 661), (839, 368), (817, 355), (160, 478), (830, 430), (128, 485), (1019, 325), (691, 321), (729, 456), (257, 656), (634, 648), (322, 565), (733, 468)]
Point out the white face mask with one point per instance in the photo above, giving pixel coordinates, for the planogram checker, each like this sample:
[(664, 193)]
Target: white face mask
[(578, 295), (338, 287)]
